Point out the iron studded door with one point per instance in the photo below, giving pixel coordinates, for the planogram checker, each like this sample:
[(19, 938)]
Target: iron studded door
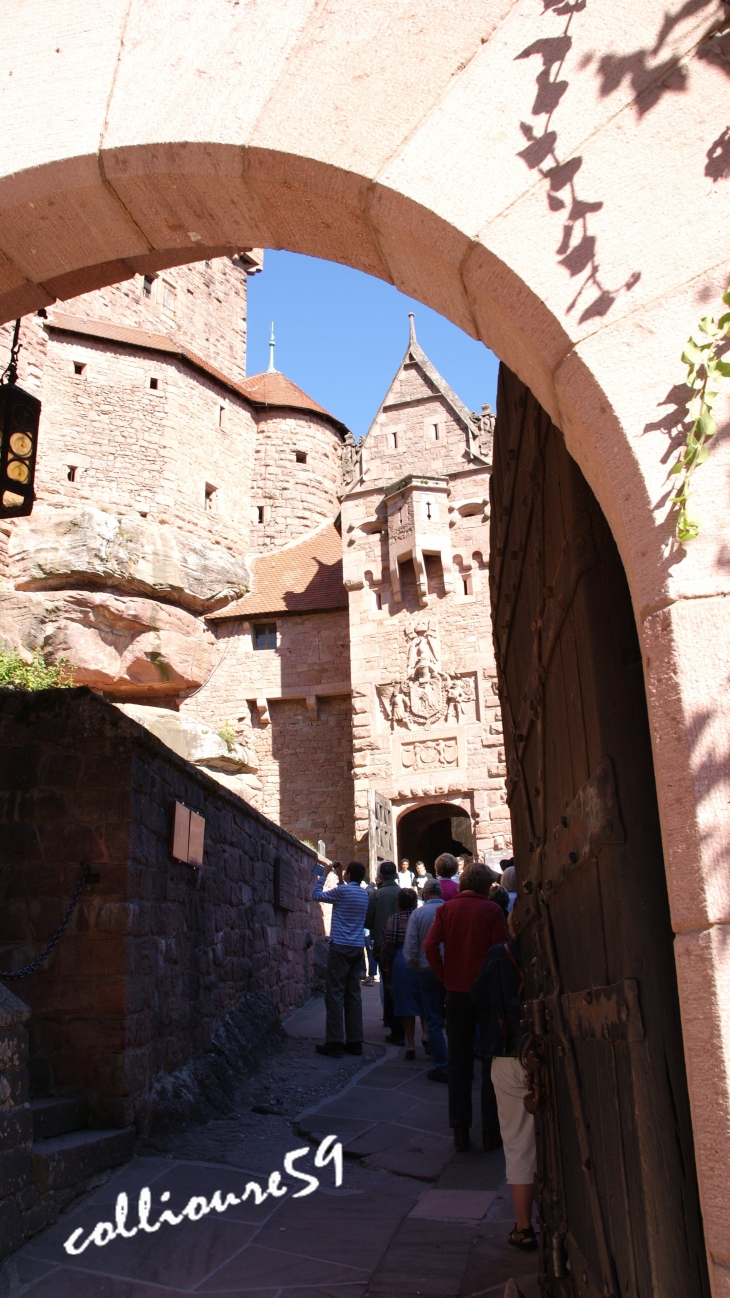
[(617, 1189), (380, 827)]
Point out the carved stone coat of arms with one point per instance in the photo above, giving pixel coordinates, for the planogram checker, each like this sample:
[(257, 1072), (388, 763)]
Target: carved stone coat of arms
[(426, 695)]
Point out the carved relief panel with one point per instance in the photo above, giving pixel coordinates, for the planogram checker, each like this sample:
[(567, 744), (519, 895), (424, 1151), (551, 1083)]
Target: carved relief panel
[(426, 695)]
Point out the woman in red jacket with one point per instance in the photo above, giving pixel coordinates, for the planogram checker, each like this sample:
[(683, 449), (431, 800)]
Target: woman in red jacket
[(466, 929)]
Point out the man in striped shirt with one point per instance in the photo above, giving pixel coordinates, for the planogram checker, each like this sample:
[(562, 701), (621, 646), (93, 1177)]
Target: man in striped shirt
[(342, 996)]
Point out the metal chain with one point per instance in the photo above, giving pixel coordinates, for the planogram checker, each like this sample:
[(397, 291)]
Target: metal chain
[(31, 968), (10, 374)]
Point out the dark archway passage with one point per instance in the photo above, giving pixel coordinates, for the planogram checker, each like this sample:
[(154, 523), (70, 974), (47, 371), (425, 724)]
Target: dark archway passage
[(427, 831)]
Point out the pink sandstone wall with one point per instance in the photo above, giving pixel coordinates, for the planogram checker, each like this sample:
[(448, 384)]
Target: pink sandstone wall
[(203, 305), (417, 430), (304, 754), (295, 497)]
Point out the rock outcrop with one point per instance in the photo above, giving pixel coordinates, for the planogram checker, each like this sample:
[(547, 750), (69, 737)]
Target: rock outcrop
[(63, 546), (122, 646), (230, 763)]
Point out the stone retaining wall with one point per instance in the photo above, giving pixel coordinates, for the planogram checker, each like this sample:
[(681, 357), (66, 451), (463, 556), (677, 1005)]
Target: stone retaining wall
[(157, 952), (18, 1197)]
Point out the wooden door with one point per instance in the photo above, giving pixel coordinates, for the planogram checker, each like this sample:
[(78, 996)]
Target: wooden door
[(381, 844), (617, 1189)]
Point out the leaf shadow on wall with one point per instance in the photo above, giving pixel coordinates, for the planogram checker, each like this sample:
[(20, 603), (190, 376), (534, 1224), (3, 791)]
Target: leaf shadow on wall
[(651, 77)]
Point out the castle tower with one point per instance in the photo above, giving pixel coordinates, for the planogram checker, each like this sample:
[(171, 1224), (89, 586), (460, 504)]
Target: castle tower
[(427, 747), (140, 524), (297, 470)]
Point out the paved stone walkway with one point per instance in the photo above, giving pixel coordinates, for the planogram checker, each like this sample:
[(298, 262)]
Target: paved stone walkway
[(411, 1217)]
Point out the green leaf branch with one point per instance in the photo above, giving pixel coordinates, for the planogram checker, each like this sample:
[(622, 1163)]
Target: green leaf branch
[(705, 374)]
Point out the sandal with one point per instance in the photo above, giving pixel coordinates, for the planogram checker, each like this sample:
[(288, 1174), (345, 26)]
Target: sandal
[(524, 1240), (410, 1054)]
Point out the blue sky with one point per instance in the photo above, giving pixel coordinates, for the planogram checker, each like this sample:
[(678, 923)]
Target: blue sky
[(341, 335)]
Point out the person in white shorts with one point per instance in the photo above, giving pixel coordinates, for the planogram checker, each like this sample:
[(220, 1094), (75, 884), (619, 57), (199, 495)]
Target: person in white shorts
[(497, 993)]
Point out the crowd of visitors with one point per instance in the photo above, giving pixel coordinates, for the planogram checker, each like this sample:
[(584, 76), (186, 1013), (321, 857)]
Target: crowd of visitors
[(447, 956)]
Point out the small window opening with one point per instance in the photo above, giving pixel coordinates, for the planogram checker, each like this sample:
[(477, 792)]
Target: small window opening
[(210, 498), (207, 265), (435, 432), (264, 635), (154, 384), (378, 600), (465, 584), (300, 457), (169, 296), (259, 513), (71, 475), (147, 282), (394, 441), (79, 368), (223, 418)]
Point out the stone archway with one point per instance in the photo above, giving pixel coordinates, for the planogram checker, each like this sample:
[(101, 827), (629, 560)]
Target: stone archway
[(529, 175), (430, 828)]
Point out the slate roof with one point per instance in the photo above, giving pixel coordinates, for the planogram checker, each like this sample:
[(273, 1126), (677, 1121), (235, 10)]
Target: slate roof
[(303, 577), (261, 390)]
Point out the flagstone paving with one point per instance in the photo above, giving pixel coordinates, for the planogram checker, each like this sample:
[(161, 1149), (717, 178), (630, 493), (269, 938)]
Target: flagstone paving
[(410, 1218)]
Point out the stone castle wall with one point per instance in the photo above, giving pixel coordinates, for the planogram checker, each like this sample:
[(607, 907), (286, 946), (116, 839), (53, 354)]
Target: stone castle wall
[(294, 496), (305, 767), (202, 304), (411, 742), (157, 952), (291, 705)]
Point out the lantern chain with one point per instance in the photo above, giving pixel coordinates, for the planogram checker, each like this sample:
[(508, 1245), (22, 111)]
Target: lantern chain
[(10, 374), (39, 960)]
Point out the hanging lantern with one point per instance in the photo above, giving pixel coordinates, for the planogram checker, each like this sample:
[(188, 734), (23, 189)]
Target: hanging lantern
[(19, 418)]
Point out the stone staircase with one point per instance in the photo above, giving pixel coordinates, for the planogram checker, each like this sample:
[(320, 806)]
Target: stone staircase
[(66, 1151), (48, 1152)]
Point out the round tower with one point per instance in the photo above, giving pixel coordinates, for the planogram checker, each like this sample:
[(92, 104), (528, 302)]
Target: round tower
[(297, 471)]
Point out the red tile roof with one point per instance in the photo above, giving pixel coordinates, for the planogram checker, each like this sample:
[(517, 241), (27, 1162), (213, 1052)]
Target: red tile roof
[(277, 390), (305, 577)]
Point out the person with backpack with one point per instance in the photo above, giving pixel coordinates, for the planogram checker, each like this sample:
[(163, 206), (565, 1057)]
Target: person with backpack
[(497, 994)]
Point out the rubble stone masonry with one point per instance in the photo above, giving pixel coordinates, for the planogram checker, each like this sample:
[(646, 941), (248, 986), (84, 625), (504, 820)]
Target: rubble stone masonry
[(157, 951), (294, 494)]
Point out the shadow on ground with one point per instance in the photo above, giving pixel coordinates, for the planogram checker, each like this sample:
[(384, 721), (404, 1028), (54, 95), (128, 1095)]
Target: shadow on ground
[(410, 1218)]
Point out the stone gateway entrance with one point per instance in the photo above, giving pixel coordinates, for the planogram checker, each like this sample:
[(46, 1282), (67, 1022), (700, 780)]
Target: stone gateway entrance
[(427, 831), (617, 1187)]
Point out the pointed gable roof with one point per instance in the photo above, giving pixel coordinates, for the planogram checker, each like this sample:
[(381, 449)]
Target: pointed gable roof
[(274, 389), (304, 576), (415, 355)]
